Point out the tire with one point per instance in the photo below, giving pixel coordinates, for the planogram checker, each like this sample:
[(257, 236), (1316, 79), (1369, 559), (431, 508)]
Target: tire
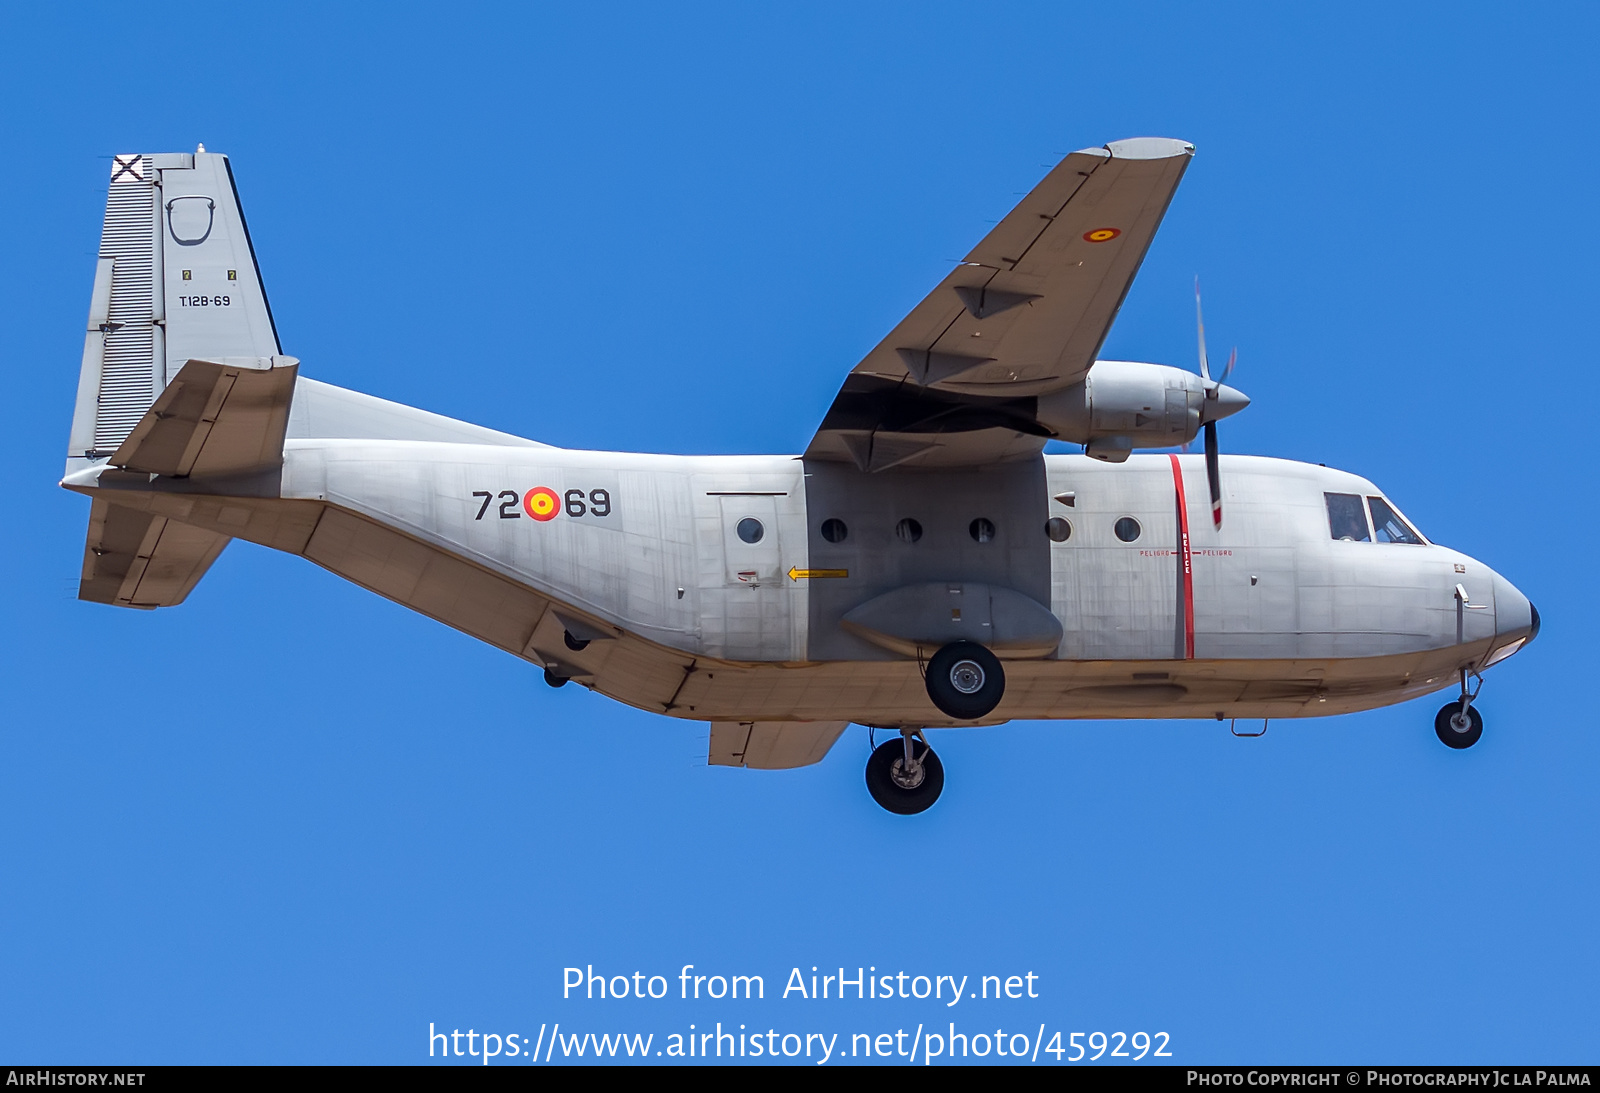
[(577, 645), (1444, 726), (965, 680), (887, 760), (553, 679)]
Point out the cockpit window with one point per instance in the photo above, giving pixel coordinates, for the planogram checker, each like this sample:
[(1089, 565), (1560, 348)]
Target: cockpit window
[(1347, 517), (1390, 528)]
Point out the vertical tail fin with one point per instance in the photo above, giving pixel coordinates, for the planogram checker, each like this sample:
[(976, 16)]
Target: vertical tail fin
[(176, 290), (176, 279)]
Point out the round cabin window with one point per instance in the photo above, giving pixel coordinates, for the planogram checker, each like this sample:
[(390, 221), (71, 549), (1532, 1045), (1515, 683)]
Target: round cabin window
[(750, 529), (1058, 529), (981, 530), (908, 530), (835, 531), (1127, 529)]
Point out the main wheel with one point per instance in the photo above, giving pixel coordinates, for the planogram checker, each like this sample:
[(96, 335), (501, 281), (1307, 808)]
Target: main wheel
[(553, 679), (904, 792), (965, 680), (1457, 731)]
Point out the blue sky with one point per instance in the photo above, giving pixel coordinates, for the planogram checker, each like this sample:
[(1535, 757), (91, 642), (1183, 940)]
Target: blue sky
[(290, 821)]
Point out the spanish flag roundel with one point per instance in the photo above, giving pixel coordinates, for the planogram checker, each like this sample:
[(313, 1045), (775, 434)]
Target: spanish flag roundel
[(1100, 235), (542, 503)]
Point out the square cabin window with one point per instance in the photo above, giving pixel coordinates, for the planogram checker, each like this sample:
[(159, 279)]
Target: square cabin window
[(1347, 517)]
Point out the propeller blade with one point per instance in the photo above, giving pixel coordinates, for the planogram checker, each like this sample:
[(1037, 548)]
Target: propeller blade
[(1214, 474), (1232, 360), (1200, 326)]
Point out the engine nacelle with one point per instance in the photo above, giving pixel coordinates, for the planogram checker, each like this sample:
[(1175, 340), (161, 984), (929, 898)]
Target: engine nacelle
[(1123, 405)]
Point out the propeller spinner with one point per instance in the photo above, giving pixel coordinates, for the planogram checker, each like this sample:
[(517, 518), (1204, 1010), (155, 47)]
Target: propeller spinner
[(1221, 401)]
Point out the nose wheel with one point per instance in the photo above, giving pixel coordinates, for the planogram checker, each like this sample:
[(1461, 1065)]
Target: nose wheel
[(904, 776), (1459, 724), (1456, 729)]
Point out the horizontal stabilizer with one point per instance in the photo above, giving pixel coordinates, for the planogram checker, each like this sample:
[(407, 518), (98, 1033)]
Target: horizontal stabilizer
[(214, 419), (772, 745), (139, 559)]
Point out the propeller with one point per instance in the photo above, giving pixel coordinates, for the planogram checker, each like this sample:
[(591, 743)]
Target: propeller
[(1219, 403)]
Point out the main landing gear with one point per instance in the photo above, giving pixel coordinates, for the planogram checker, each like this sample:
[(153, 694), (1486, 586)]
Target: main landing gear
[(1459, 724), (903, 777), (965, 680)]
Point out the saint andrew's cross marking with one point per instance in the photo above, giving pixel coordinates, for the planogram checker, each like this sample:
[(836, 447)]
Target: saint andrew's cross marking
[(127, 168)]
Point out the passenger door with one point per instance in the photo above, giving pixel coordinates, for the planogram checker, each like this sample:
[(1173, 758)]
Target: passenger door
[(747, 603)]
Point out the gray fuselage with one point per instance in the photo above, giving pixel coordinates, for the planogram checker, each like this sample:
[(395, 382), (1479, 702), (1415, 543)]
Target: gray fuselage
[(644, 553)]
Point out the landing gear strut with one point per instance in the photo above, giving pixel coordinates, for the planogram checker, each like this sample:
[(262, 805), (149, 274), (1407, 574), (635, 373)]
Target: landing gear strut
[(904, 778), (1459, 724), (965, 680)]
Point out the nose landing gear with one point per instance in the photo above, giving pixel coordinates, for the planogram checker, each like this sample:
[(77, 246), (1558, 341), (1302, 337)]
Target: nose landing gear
[(1458, 724), (904, 778)]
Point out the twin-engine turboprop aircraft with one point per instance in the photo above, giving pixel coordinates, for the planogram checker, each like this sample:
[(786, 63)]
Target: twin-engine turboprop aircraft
[(922, 565)]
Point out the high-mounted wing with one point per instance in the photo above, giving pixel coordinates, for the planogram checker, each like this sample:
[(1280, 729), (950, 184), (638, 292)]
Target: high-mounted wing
[(956, 383)]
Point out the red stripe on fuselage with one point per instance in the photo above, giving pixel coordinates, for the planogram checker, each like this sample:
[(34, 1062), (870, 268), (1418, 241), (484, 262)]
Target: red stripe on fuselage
[(1185, 560)]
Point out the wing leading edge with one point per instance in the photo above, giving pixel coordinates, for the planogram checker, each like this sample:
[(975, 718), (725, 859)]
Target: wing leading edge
[(956, 382)]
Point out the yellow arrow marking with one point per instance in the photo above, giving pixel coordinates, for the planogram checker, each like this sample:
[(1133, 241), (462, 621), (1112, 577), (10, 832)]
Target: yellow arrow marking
[(796, 573)]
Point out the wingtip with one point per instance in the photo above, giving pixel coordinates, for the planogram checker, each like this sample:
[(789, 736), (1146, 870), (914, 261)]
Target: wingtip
[(1149, 148)]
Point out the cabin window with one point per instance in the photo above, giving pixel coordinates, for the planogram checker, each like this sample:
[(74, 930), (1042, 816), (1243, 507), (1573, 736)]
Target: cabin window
[(981, 530), (1127, 529), (1389, 526), (1057, 529), (750, 529), (908, 530), (835, 531), (1347, 518)]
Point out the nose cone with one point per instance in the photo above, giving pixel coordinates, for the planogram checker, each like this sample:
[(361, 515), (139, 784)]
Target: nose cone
[(1228, 401), (1516, 619)]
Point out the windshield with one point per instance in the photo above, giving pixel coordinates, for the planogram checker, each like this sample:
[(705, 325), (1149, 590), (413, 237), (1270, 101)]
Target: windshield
[(1390, 528), (1347, 517)]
